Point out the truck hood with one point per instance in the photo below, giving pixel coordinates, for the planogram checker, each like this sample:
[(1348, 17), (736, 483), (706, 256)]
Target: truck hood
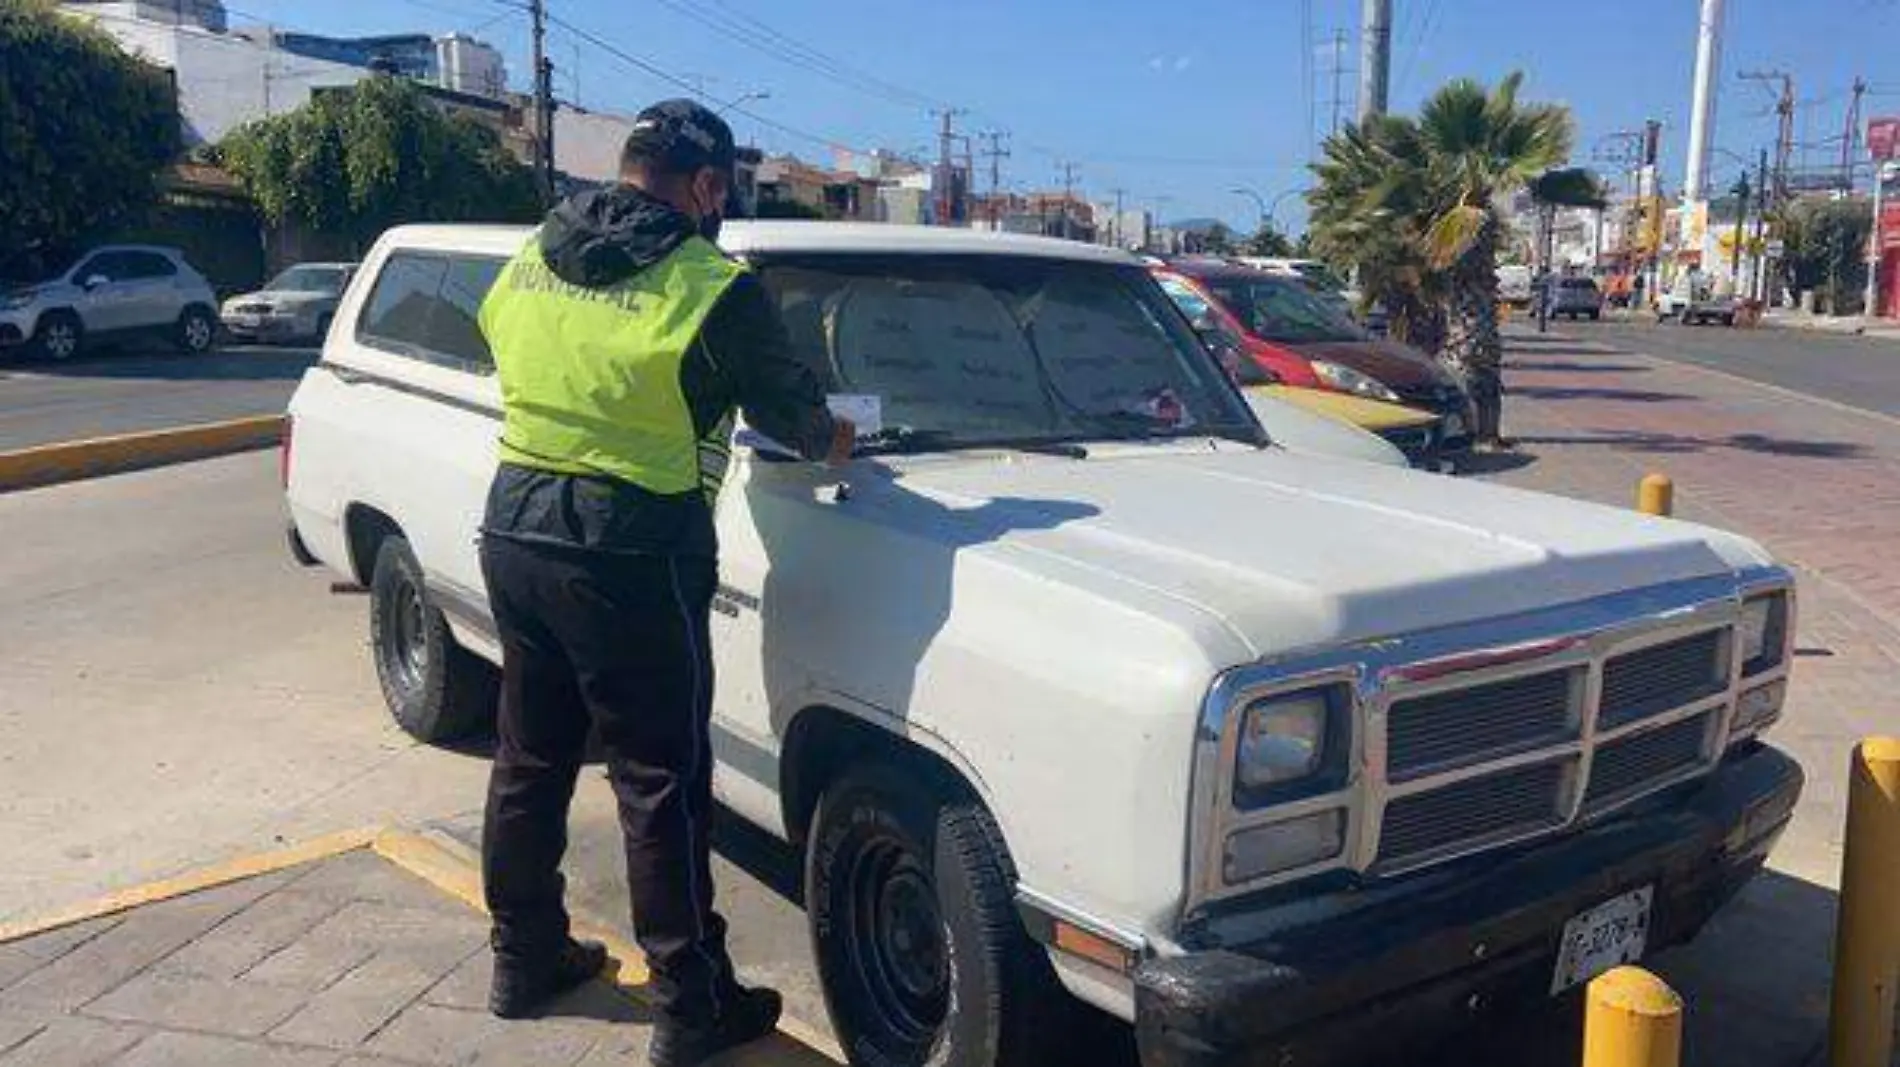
[(1291, 552)]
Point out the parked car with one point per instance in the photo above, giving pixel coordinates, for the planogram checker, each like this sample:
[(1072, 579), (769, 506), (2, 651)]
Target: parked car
[(1305, 343), (1515, 285), (1574, 297), (59, 305), (297, 305), (1079, 674)]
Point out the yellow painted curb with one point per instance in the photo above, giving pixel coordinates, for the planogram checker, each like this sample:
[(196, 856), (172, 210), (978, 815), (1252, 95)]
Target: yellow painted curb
[(234, 870), (72, 460), (454, 869)]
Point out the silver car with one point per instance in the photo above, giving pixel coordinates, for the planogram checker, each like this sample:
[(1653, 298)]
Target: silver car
[(60, 305), (297, 305)]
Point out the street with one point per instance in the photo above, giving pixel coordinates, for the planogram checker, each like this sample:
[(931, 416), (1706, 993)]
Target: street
[(113, 392), (258, 719), (1860, 372)]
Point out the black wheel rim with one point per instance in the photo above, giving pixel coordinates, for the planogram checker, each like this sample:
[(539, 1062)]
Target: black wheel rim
[(407, 618), (898, 947)]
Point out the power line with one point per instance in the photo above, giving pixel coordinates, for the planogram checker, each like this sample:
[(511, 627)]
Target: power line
[(679, 82), (1418, 42)]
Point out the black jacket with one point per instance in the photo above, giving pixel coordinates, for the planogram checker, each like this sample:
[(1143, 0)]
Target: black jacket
[(742, 358)]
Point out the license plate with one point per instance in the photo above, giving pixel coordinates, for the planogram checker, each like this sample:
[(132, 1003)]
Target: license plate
[(249, 322), (1609, 935)]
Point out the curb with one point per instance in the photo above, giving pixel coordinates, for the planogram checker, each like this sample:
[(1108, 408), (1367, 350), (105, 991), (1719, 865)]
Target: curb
[(70, 461), (447, 865)]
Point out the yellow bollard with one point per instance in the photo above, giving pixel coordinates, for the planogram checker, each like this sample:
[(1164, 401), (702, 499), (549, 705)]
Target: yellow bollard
[(1656, 495), (1633, 1019), (1867, 940)]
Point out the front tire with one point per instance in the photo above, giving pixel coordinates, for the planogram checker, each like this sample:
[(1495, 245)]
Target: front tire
[(436, 690), (908, 893), (196, 331), (59, 337)]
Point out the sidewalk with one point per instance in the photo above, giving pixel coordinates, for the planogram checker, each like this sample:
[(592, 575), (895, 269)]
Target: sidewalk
[(1785, 319), (343, 961)]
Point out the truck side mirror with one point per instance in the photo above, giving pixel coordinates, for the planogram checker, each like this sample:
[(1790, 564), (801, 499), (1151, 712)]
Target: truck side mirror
[(94, 281)]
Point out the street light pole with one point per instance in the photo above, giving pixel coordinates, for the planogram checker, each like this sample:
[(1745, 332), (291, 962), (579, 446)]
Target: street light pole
[(1274, 211), (1870, 303), (1259, 202), (743, 98)]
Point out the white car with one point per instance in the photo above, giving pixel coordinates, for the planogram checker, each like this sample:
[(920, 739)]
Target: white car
[(1076, 681), (61, 306), (297, 305)]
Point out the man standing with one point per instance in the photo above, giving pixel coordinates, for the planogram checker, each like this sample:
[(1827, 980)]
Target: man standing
[(623, 342)]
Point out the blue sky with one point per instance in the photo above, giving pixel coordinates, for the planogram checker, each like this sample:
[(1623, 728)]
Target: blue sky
[(1183, 101)]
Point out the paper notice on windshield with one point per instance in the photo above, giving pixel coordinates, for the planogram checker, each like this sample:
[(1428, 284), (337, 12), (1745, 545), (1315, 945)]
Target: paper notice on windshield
[(865, 410)]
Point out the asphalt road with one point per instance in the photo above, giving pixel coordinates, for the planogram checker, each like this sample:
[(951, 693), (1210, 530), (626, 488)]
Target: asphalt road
[(1860, 372), (116, 392)]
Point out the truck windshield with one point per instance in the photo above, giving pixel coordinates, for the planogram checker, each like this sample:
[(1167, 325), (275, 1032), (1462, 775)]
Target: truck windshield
[(967, 351)]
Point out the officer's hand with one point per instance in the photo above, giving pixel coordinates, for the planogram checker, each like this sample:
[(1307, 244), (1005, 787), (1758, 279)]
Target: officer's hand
[(844, 438)]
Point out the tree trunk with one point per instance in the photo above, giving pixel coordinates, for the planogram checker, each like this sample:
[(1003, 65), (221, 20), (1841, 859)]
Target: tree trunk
[(1473, 346)]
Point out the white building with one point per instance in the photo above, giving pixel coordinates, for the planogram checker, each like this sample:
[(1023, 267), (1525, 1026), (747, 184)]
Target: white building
[(468, 65), (223, 81), (587, 144)]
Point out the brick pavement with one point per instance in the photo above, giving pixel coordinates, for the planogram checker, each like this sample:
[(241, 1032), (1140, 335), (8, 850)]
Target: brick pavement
[(342, 962), (1816, 484)]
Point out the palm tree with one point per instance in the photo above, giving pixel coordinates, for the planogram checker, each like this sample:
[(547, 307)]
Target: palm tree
[(1366, 208), (1479, 148)]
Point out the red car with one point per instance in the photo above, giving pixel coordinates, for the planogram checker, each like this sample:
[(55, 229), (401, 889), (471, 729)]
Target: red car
[(1288, 330)]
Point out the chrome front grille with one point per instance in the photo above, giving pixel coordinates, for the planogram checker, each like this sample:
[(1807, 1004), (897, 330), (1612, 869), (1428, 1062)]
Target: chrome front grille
[(1633, 763), (1465, 726), (1507, 804), (1473, 737), (1649, 681)]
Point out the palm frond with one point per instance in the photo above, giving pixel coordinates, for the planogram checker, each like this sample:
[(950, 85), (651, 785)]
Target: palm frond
[(1454, 233)]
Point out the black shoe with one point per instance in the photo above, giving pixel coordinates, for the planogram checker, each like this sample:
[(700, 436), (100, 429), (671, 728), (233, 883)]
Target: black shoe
[(750, 1015), (520, 988)]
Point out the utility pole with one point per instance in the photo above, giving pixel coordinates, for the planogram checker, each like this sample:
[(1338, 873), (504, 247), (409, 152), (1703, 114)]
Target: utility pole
[(1850, 137), (1068, 194), (1784, 136), (1375, 58), (543, 102), (996, 153), (1741, 228), (1115, 226), (1870, 301), (946, 169), (1761, 231), (1338, 72)]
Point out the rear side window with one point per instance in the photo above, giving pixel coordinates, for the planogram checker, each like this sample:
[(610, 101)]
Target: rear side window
[(148, 265), (424, 306)]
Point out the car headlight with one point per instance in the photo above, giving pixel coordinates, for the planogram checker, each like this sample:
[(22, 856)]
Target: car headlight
[(15, 302), (1282, 740), (1764, 632), (1347, 380)]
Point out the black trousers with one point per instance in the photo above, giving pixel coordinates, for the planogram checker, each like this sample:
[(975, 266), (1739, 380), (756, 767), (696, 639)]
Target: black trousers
[(618, 643)]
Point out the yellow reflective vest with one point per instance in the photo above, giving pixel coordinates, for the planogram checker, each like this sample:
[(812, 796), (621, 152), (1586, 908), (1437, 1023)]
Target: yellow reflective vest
[(590, 378)]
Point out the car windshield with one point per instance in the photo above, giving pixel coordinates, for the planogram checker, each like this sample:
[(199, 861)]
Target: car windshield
[(971, 350), (34, 267), (1282, 309), (309, 279), (1581, 284), (1320, 276)]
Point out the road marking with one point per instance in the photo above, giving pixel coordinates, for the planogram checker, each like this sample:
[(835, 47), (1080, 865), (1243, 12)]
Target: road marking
[(233, 870)]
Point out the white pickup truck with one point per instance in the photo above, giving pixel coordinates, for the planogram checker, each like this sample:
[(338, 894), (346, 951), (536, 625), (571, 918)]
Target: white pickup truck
[(1078, 680)]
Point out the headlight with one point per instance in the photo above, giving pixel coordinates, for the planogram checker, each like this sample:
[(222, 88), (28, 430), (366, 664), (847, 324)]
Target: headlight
[(1764, 628), (15, 302), (1282, 739), (1346, 380)]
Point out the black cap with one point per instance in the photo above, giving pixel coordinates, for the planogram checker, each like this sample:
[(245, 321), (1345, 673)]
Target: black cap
[(681, 136)]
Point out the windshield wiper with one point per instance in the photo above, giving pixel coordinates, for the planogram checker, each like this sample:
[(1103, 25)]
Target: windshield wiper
[(903, 440)]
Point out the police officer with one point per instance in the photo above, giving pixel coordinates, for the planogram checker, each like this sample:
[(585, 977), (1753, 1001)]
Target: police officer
[(623, 342)]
